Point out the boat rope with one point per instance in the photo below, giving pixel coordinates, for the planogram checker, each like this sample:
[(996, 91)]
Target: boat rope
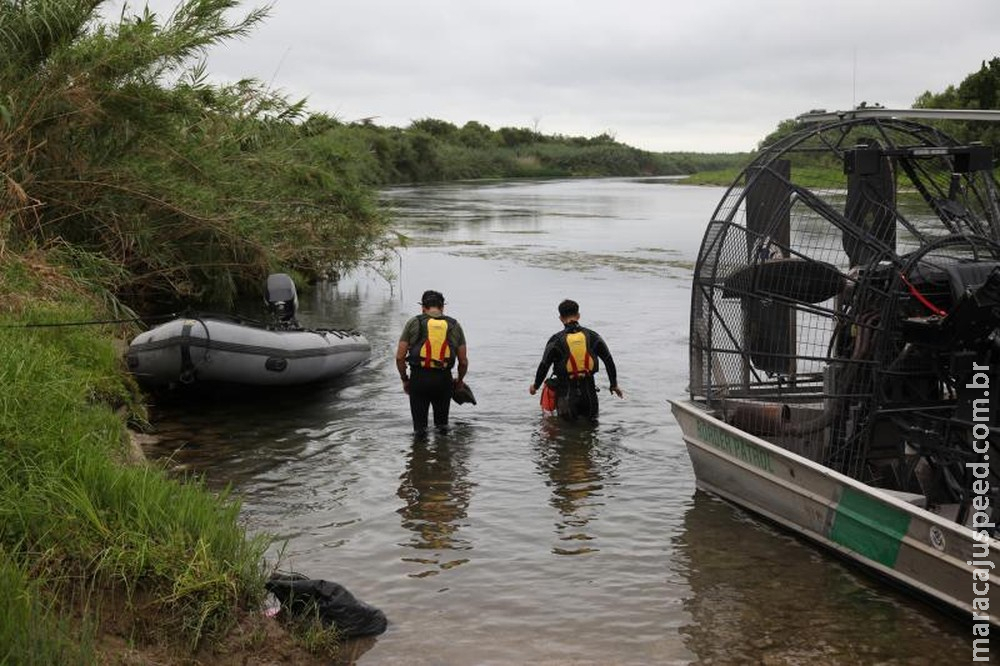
[(90, 322)]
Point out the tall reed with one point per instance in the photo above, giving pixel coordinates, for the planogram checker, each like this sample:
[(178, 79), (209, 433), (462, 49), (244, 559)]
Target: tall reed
[(112, 140)]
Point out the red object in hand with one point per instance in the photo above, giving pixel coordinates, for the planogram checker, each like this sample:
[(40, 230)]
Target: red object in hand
[(548, 399)]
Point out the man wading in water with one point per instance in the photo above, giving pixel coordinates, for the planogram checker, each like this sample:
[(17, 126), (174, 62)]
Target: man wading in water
[(572, 353), (430, 345)]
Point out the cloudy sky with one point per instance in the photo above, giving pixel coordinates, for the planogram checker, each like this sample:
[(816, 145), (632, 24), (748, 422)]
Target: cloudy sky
[(663, 75)]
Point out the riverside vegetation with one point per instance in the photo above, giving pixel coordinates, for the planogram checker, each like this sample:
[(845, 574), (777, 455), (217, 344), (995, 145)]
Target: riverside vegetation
[(128, 182), (118, 192)]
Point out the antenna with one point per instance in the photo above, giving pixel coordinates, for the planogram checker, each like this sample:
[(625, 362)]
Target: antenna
[(854, 80), (277, 68)]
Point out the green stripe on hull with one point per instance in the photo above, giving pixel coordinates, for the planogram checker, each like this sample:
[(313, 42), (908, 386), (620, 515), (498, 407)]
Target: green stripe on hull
[(869, 527)]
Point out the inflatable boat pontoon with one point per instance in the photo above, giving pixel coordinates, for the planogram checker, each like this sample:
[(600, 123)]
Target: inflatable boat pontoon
[(228, 350)]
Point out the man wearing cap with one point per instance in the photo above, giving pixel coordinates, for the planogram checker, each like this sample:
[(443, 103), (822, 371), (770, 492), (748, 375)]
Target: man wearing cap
[(573, 355), (430, 345)]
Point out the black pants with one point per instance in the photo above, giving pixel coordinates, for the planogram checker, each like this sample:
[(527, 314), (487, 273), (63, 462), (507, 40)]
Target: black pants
[(577, 399), (429, 388)]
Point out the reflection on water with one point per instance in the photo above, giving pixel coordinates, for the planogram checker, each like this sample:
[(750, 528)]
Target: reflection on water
[(436, 492), (761, 596), (275, 426), (573, 459)]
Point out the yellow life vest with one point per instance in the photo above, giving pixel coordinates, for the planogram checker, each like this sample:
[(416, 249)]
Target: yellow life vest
[(579, 363), (435, 352)]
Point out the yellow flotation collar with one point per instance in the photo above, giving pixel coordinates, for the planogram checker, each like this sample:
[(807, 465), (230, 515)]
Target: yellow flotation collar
[(436, 352), (579, 363)]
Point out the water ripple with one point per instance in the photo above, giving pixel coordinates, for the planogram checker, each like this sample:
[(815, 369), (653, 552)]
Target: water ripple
[(516, 538)]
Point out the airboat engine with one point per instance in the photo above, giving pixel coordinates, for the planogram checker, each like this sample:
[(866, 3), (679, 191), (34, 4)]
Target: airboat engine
[(857, 322), (282, 299)]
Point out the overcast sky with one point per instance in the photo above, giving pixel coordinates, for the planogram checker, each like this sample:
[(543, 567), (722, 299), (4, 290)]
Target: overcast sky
[(662, 75)]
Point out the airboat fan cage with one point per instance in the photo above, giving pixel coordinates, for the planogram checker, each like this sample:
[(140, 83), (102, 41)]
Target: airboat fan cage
[(835, 318)]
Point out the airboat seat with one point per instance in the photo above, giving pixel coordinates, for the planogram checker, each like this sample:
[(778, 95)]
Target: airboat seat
[(959, 276), (971, 315)]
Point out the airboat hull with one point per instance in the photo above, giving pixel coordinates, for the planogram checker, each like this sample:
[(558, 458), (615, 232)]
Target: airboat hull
[(210, 350), (882, 531)]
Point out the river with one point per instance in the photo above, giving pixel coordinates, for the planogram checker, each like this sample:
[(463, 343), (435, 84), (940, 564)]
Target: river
[(514, 539)]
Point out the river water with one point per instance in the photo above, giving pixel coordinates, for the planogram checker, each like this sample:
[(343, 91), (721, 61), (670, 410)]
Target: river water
[(514, 539)]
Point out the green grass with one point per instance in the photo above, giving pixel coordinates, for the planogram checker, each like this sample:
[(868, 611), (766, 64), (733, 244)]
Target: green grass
[(720, 177), (30, 632), (813, 177), (168, 558)]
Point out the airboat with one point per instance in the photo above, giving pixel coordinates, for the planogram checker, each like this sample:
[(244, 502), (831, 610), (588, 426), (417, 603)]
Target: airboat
[(845, 349), (224, 349)]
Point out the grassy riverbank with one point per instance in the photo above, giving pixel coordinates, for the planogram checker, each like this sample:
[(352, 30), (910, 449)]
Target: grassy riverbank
[(103, 558), (804, 175)]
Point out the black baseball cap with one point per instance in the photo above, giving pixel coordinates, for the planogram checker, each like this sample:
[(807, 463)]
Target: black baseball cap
[(432, 299)]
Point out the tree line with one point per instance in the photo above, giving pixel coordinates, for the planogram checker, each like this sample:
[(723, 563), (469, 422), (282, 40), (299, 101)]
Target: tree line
[(430, 150), (978, 90), (119, 157)]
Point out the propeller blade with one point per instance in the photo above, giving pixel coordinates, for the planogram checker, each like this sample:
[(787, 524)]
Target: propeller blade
[(801, 280)]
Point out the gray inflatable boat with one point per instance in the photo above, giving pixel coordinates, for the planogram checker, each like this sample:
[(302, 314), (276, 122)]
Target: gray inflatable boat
[(216, 349)]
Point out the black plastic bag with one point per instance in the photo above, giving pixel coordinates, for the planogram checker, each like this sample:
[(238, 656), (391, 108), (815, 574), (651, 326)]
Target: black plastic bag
[(332, 602)]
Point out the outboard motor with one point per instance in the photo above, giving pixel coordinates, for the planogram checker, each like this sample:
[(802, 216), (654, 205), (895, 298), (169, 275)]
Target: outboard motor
[(282, 299)]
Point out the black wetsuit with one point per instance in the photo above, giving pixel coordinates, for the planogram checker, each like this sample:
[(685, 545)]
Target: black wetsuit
[(575, 397)]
